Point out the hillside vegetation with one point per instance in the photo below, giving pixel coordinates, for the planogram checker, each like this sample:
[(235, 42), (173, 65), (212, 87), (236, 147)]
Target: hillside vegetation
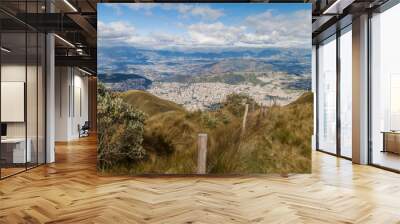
[(276, 139), (120, 131), (149, 103)]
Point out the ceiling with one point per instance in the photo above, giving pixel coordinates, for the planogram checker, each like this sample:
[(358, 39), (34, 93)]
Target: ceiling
[(331, 15), (75, 22)]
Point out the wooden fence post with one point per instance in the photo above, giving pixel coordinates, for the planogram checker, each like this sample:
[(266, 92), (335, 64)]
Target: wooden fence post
[(201, 153), (246, 110)]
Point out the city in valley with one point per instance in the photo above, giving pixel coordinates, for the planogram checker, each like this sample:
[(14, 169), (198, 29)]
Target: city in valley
[(206, 95)]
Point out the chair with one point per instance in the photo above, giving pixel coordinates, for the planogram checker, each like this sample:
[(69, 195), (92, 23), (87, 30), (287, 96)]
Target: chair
[(84, 130)]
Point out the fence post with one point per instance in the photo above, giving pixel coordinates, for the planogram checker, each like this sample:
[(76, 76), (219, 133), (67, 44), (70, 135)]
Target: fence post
[(201, 153), (246, 110)]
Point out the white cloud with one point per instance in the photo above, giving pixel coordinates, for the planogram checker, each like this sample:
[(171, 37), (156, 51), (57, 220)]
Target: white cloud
[(285, 30), (116, 7), (201, 11), (122, 33), (181, 8), (267, 29), (140, 6), (204, 12), (252, 38), (114, 30), (145, 7), (215, 34)]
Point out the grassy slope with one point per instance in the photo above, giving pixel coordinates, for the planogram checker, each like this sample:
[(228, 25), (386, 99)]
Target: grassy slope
[(281, 140), (149, 103), (277, 141)]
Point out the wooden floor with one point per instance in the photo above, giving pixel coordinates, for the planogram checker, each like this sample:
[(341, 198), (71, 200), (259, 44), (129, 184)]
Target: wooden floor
[(387, 159), (70, 191), (5, 172)]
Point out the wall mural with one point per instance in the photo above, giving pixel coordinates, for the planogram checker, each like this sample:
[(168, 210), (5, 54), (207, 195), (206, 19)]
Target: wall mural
[(204, 88)]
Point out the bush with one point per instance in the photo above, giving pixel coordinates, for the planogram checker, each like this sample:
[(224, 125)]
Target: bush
[(120, 130), (235, 103), (225, 119), (209, 121)]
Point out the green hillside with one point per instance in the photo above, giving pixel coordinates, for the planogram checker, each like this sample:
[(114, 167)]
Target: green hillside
[(149, 103), (276, 140)]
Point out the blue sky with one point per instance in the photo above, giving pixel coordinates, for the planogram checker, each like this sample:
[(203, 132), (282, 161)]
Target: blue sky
[(214, 25)]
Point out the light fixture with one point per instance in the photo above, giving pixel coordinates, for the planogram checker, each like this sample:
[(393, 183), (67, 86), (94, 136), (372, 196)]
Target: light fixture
[(5, 50), (86, 72), (80, 51), (64, 40), (70, 5), (337, 7)]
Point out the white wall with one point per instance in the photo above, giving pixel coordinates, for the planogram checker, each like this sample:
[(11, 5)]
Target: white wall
[(16, 73), (33, 127), (80, 94), (62, 82), (11, 73), (71, 87)]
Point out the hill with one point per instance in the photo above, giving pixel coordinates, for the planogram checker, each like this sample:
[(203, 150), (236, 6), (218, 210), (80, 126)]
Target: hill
[(276, 140), (238, 65), (306, 98), (124, 81), (149, 103)]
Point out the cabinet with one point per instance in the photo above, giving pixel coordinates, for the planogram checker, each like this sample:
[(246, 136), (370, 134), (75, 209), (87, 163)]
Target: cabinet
[(391, 142)]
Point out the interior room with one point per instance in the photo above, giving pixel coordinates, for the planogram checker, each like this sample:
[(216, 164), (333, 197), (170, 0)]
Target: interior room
[(22, 99), (28, 56), (49, 135)]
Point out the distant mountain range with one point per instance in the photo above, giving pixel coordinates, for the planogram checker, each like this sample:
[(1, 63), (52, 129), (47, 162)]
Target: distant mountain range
[(128, 67)]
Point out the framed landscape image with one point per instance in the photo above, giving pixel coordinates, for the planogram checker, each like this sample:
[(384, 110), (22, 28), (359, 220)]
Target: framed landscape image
[(216, 88)]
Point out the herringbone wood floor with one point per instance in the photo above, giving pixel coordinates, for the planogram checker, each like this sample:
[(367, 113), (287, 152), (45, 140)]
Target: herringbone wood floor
[(70, 191)]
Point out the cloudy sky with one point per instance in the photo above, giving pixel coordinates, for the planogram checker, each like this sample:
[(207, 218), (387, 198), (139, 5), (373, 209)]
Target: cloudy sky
[(217, 25)]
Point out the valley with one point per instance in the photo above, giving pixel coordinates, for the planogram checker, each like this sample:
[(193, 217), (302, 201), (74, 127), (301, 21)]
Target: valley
[(202, 79)]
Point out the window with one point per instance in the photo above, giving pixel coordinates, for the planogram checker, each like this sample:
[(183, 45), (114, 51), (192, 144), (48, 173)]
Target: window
[(327, 95), (385, 89), (346, 92)]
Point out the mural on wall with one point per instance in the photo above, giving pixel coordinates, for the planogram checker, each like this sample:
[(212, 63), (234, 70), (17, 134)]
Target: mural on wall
[(204, 88)]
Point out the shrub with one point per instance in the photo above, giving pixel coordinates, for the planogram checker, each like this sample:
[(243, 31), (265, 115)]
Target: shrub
[(209, 121), (120, 130), (225, 119), (234, 103)]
